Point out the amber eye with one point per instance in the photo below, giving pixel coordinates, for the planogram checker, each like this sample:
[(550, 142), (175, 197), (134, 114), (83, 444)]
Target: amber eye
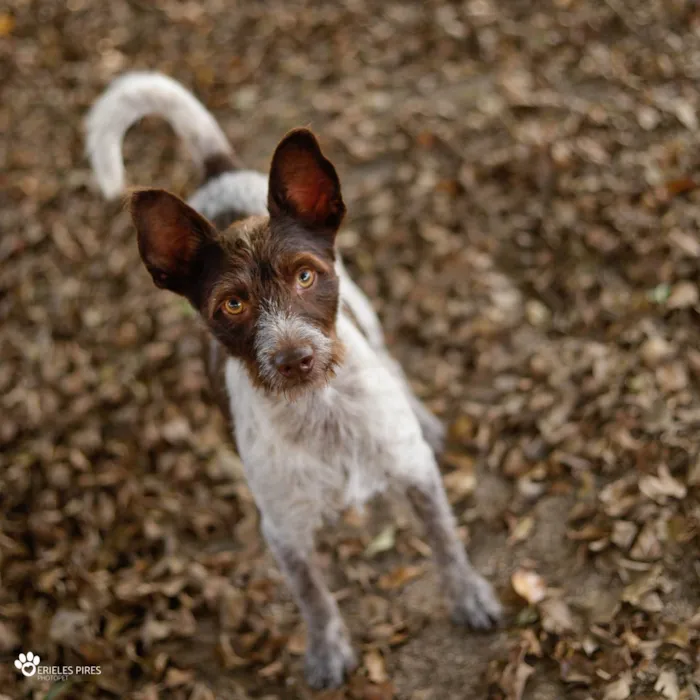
[(233, 306), (306, 278)]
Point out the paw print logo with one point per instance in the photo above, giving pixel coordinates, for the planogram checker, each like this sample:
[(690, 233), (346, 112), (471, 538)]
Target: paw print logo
[(27, 664)]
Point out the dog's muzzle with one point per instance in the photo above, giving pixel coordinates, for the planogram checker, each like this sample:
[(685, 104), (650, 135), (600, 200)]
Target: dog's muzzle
[(290, 351)]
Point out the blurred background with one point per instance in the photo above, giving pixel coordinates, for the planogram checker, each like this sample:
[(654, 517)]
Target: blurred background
[(521, 179)]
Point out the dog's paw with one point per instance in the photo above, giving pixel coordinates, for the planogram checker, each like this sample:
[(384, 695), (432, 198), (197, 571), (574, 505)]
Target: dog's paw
[(328, 661), (477, 605)]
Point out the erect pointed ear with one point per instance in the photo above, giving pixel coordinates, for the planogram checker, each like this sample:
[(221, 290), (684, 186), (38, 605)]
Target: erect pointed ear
[(170, 236), (304, 184)]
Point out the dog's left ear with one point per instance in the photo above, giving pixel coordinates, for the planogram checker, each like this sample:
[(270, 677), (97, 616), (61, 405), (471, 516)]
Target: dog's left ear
[(304, 185), (171, 238)]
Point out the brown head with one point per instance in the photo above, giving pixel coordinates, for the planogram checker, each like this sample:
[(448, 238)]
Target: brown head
[(266, 286)]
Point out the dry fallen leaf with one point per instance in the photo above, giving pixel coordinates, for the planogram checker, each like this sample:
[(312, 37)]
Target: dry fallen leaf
[(232, 608), (201, 692), (296, 644), (529, 585), (623, 534), (7, 24), (694, 473), (655, 350), (556, 616), (648, 546), (460, 484), (399, 576), (177, 677), (383, 542), (376, 668), (685, 113), (663, 486), (683, 295), (514, 679), (647, 583), (679, 636), (521, 530), (667, 684), (276, 668), (620, 689)]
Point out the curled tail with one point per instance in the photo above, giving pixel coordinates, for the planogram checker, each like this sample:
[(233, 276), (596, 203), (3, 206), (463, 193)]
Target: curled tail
[(135, 95)]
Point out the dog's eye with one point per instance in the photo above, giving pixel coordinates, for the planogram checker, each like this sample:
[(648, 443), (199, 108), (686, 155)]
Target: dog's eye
[(306, 278), (233, 306)]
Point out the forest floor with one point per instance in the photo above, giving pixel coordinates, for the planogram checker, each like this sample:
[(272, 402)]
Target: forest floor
[(522, 186)]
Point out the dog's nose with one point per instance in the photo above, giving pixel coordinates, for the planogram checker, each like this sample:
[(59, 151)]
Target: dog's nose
[(294, 363)]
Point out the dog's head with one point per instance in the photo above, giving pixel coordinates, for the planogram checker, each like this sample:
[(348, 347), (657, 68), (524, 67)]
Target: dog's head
[(266, 286)]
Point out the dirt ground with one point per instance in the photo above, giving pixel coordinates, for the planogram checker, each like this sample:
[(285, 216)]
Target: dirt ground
[(522, 186)]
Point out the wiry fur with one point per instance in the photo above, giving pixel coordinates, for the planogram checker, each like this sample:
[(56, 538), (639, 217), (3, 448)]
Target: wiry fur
[(276, 328), (243, 191), (132, 97), (331, 448), (353, 431)]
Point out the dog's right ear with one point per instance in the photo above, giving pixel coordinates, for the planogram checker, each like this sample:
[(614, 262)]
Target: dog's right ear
[(171, 236), (304, 184)]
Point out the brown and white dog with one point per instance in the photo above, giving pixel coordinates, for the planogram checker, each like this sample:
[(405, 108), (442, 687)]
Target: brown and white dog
[(322, 416)]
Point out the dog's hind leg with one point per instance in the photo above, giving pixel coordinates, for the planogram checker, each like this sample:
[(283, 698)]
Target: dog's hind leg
[(431, 426), (471, 596)]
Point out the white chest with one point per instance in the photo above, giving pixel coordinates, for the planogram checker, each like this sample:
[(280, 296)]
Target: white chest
[(333, 447)]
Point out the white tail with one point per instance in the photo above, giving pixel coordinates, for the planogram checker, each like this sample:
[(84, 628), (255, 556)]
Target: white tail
[(133, 96)]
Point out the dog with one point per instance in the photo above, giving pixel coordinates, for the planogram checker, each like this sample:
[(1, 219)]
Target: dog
[(321, 415)]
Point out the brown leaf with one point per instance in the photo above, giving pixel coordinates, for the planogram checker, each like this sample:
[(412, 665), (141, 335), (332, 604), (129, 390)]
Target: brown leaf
[(399, 576), (683, 295), (648, 544), (623, 534), (460, 484), (529, 585), (154, 630), (201, 692), (296, 644), (229, 657), (459, 461), (679, 636), (7, 24), (70, 627), (694, 473), (383, 542), (587, 533), (680, 186), (273, 670), (672, 377), (9, 639), (655, 350), (645, 584), (660, 488), (232, 608), (620, 689), (521, 529), (514, 679), (176, 677), (667, 684), (376, 668), (556, 616), (463, 428)]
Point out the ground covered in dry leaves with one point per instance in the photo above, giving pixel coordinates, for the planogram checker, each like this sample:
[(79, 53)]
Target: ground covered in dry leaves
[(521, 179)]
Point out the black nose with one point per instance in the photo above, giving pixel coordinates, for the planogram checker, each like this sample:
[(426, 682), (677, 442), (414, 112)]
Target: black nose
[(294, 363)]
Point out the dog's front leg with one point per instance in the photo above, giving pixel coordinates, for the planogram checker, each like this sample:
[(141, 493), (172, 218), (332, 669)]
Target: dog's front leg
[(473, 600), (329, 653)]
